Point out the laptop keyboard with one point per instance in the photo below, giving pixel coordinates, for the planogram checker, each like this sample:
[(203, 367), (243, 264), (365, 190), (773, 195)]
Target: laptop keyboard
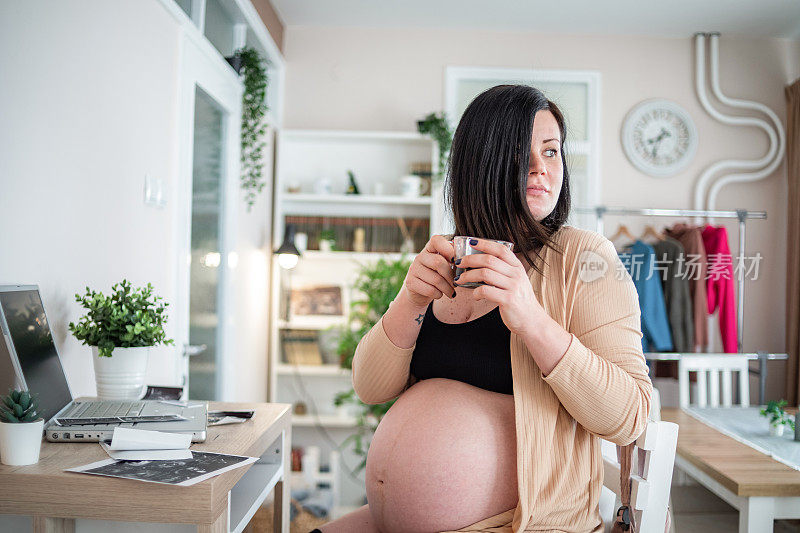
[(116, 420), (104, 409)]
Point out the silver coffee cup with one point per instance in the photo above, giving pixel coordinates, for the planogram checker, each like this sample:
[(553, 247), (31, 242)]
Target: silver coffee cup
[(463, 249)]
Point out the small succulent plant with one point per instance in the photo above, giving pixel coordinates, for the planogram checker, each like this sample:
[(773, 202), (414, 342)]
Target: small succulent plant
[(18, 406)]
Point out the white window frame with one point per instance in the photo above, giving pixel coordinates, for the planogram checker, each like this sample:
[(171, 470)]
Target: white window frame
[(201, 64), (590, 148), (198, 68), (246, 20)]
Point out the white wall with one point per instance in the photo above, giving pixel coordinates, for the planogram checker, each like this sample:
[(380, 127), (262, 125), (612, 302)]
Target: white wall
[(792, 66), (358, 78), (88, 106), (251, 292)]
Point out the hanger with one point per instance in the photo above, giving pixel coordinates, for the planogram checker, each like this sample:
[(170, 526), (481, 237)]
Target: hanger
[(622, 231), (651, 232)]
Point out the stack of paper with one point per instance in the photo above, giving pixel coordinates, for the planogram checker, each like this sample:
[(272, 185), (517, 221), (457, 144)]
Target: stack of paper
[(140, 445)]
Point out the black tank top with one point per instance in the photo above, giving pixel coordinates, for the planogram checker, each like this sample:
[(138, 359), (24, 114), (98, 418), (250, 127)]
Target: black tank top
[(477, 352)]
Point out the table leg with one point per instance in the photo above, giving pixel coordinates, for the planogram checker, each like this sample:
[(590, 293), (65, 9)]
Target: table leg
[(44, 524), (220, 525), (762, 380), (280, 508), (757, 515), (282, 492)]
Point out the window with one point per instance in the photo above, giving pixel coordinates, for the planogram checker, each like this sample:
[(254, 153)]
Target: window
[(219, 27), (577, 93), (186, 6)]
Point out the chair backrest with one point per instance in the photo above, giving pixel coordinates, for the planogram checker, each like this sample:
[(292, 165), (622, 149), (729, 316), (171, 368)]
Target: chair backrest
[(709, 368), (651, 477), (655, 405)]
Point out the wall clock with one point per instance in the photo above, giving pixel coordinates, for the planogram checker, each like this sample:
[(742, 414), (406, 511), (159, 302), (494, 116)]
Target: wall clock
[(659, 137)]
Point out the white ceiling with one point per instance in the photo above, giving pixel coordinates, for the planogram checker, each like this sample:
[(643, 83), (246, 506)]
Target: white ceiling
[(677, 18)]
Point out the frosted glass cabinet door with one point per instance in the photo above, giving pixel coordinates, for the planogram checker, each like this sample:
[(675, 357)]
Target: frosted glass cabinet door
[(204, 277)]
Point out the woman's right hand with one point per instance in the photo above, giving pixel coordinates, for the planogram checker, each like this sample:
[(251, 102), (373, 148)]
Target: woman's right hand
[(431, 274)]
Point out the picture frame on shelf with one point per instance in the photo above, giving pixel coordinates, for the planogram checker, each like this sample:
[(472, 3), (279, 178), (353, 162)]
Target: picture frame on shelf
[(319, 300)]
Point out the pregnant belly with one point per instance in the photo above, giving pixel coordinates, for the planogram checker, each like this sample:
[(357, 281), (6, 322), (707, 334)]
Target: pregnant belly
[(443, 457)]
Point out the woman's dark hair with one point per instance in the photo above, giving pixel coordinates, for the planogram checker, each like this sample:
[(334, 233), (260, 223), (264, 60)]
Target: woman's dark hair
[(488, 170)]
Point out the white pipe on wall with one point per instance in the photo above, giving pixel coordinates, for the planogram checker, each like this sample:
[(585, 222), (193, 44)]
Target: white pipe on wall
[(739, 164), (745, 104)]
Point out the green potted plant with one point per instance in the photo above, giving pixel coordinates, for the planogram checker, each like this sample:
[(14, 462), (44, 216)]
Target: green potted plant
[(123, 325), (327, 240), (778, 417), (378, 283), (20, 429), (437, 126)]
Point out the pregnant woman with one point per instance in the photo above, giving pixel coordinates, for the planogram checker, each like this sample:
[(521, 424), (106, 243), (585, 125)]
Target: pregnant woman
[(505, 390)]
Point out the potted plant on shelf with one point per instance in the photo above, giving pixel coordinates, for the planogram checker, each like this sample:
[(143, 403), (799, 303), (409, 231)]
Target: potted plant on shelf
[(327, 240), (121, 328), (437, 126), (778, 418), (20, 429), (379, 283)]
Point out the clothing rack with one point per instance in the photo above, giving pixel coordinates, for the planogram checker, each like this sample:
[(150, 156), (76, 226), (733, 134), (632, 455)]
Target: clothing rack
[(742, 215)]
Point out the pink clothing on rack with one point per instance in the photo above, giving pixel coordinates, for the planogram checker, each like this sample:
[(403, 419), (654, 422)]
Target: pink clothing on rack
[(719, 286)]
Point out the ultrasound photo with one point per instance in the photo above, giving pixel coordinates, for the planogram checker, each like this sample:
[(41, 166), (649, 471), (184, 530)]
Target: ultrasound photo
[(183, 472)]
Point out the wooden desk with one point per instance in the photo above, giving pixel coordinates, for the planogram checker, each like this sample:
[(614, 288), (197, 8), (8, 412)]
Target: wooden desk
[(221, 504), (761, 488)]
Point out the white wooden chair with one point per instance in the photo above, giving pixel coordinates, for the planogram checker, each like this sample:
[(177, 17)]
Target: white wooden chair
[(651, 478), (709, 368)]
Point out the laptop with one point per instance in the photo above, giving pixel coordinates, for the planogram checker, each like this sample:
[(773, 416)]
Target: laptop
[(28, 343)]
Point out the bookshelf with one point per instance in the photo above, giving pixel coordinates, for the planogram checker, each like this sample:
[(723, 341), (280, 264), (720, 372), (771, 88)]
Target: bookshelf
[(304, 158), (378, 159)]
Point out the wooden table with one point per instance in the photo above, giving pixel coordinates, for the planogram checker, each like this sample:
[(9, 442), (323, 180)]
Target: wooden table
[(761, 488), (221, 504)]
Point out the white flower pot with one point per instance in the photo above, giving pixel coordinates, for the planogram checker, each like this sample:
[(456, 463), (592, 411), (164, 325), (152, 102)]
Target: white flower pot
[(121, 376), (344, 411), (776, 431), (20, 442)]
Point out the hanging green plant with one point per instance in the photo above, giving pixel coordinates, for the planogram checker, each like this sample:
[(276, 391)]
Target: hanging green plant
[(254, 109), (437, 126)]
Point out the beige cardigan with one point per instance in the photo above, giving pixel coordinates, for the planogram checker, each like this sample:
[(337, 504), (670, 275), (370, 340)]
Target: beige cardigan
[(600, 387)]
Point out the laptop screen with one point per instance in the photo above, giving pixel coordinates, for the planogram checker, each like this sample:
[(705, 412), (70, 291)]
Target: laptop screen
[(33, 342)]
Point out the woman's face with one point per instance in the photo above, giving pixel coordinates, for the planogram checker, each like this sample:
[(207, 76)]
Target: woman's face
[(546, 170)]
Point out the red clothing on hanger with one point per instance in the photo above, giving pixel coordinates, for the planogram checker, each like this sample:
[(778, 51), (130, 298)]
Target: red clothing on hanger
[(719, 286)]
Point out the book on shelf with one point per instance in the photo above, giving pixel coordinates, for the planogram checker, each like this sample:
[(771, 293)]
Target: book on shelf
[(366, 234), (301, 348)]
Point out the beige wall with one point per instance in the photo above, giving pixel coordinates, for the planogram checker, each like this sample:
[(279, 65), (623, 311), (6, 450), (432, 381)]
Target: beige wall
[(386, 79), (271, 21)]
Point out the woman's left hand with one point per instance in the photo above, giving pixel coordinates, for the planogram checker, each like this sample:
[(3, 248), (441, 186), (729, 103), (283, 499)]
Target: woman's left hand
[(507, 285)]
